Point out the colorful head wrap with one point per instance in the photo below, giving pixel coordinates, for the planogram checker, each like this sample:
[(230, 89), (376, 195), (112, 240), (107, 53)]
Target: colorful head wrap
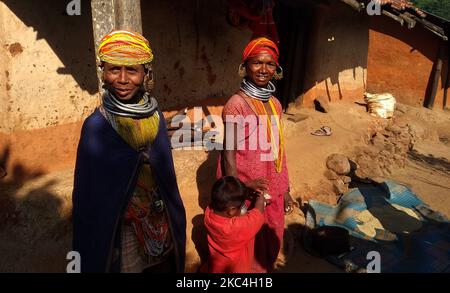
[(124, 48), (258, 45)]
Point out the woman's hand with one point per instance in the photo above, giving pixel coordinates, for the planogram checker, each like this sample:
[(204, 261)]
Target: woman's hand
[(258, 185), (289, 203)]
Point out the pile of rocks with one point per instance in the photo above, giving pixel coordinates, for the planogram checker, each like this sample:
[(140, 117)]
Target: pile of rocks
[(338, 168), (386, 151)]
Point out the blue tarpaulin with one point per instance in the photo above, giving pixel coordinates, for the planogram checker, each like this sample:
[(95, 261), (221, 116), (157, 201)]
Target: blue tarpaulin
[(391, 220)]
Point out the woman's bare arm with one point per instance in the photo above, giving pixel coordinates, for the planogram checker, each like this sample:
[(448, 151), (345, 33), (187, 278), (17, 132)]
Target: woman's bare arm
[(229, 155)]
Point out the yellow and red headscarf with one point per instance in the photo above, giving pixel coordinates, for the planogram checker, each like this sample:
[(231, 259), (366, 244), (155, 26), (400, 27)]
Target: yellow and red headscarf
[(124, 48), (259, 45)]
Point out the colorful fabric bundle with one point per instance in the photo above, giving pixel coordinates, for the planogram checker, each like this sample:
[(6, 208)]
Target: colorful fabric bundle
[(124, 48), (259, 45)]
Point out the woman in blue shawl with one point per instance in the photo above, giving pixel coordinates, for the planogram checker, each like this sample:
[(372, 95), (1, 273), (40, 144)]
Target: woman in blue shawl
[(128, 215)]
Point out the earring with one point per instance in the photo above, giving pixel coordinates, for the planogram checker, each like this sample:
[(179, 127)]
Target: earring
[(278, 73), (149, 83), (102, 80), (242, 72)]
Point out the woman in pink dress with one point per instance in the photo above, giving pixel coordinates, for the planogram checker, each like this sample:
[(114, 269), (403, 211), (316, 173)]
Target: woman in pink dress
[(254, 145)]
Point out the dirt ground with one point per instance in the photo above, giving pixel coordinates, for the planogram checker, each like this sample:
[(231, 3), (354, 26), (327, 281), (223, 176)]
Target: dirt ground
[(35, 231)]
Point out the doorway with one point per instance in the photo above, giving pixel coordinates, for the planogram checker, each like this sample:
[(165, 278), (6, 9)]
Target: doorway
[(293, 20)]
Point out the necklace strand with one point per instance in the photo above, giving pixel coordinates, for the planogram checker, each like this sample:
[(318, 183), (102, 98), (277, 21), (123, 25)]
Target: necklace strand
[(259, 93), (113, 106)]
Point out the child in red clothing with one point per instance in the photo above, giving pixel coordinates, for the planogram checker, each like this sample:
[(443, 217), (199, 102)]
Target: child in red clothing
[(231, 229)]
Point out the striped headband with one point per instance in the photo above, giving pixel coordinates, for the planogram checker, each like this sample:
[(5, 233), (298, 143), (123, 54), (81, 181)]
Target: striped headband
[(258, 45), (124, 48)]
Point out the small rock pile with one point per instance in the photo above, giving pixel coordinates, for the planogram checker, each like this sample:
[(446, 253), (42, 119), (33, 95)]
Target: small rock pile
[(387, 150), (338, 168)]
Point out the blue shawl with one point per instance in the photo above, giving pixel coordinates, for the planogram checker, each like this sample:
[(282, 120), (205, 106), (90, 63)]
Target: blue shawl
[(105, 176)]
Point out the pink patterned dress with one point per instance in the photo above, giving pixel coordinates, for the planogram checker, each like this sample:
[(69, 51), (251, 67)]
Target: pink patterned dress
[(249, 167)]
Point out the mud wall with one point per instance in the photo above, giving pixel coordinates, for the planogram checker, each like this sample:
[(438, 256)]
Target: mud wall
[(337, 58), (51, 74), (47, 84), (48, 81), (401, 61), (196, 52), (4, 75)]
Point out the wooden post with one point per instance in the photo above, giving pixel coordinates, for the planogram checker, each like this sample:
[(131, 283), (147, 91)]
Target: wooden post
[(103, 21), (128, 15), (115, 14), (447, 80), (447, 85), (436, 76), (103, 18), (108, 15)]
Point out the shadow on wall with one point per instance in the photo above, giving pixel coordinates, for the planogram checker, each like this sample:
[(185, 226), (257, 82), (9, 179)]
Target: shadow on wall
[(414, 77), (294, 27), (70, 37), (33, 225), (332, 39), (418, 38), (197, 53)]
